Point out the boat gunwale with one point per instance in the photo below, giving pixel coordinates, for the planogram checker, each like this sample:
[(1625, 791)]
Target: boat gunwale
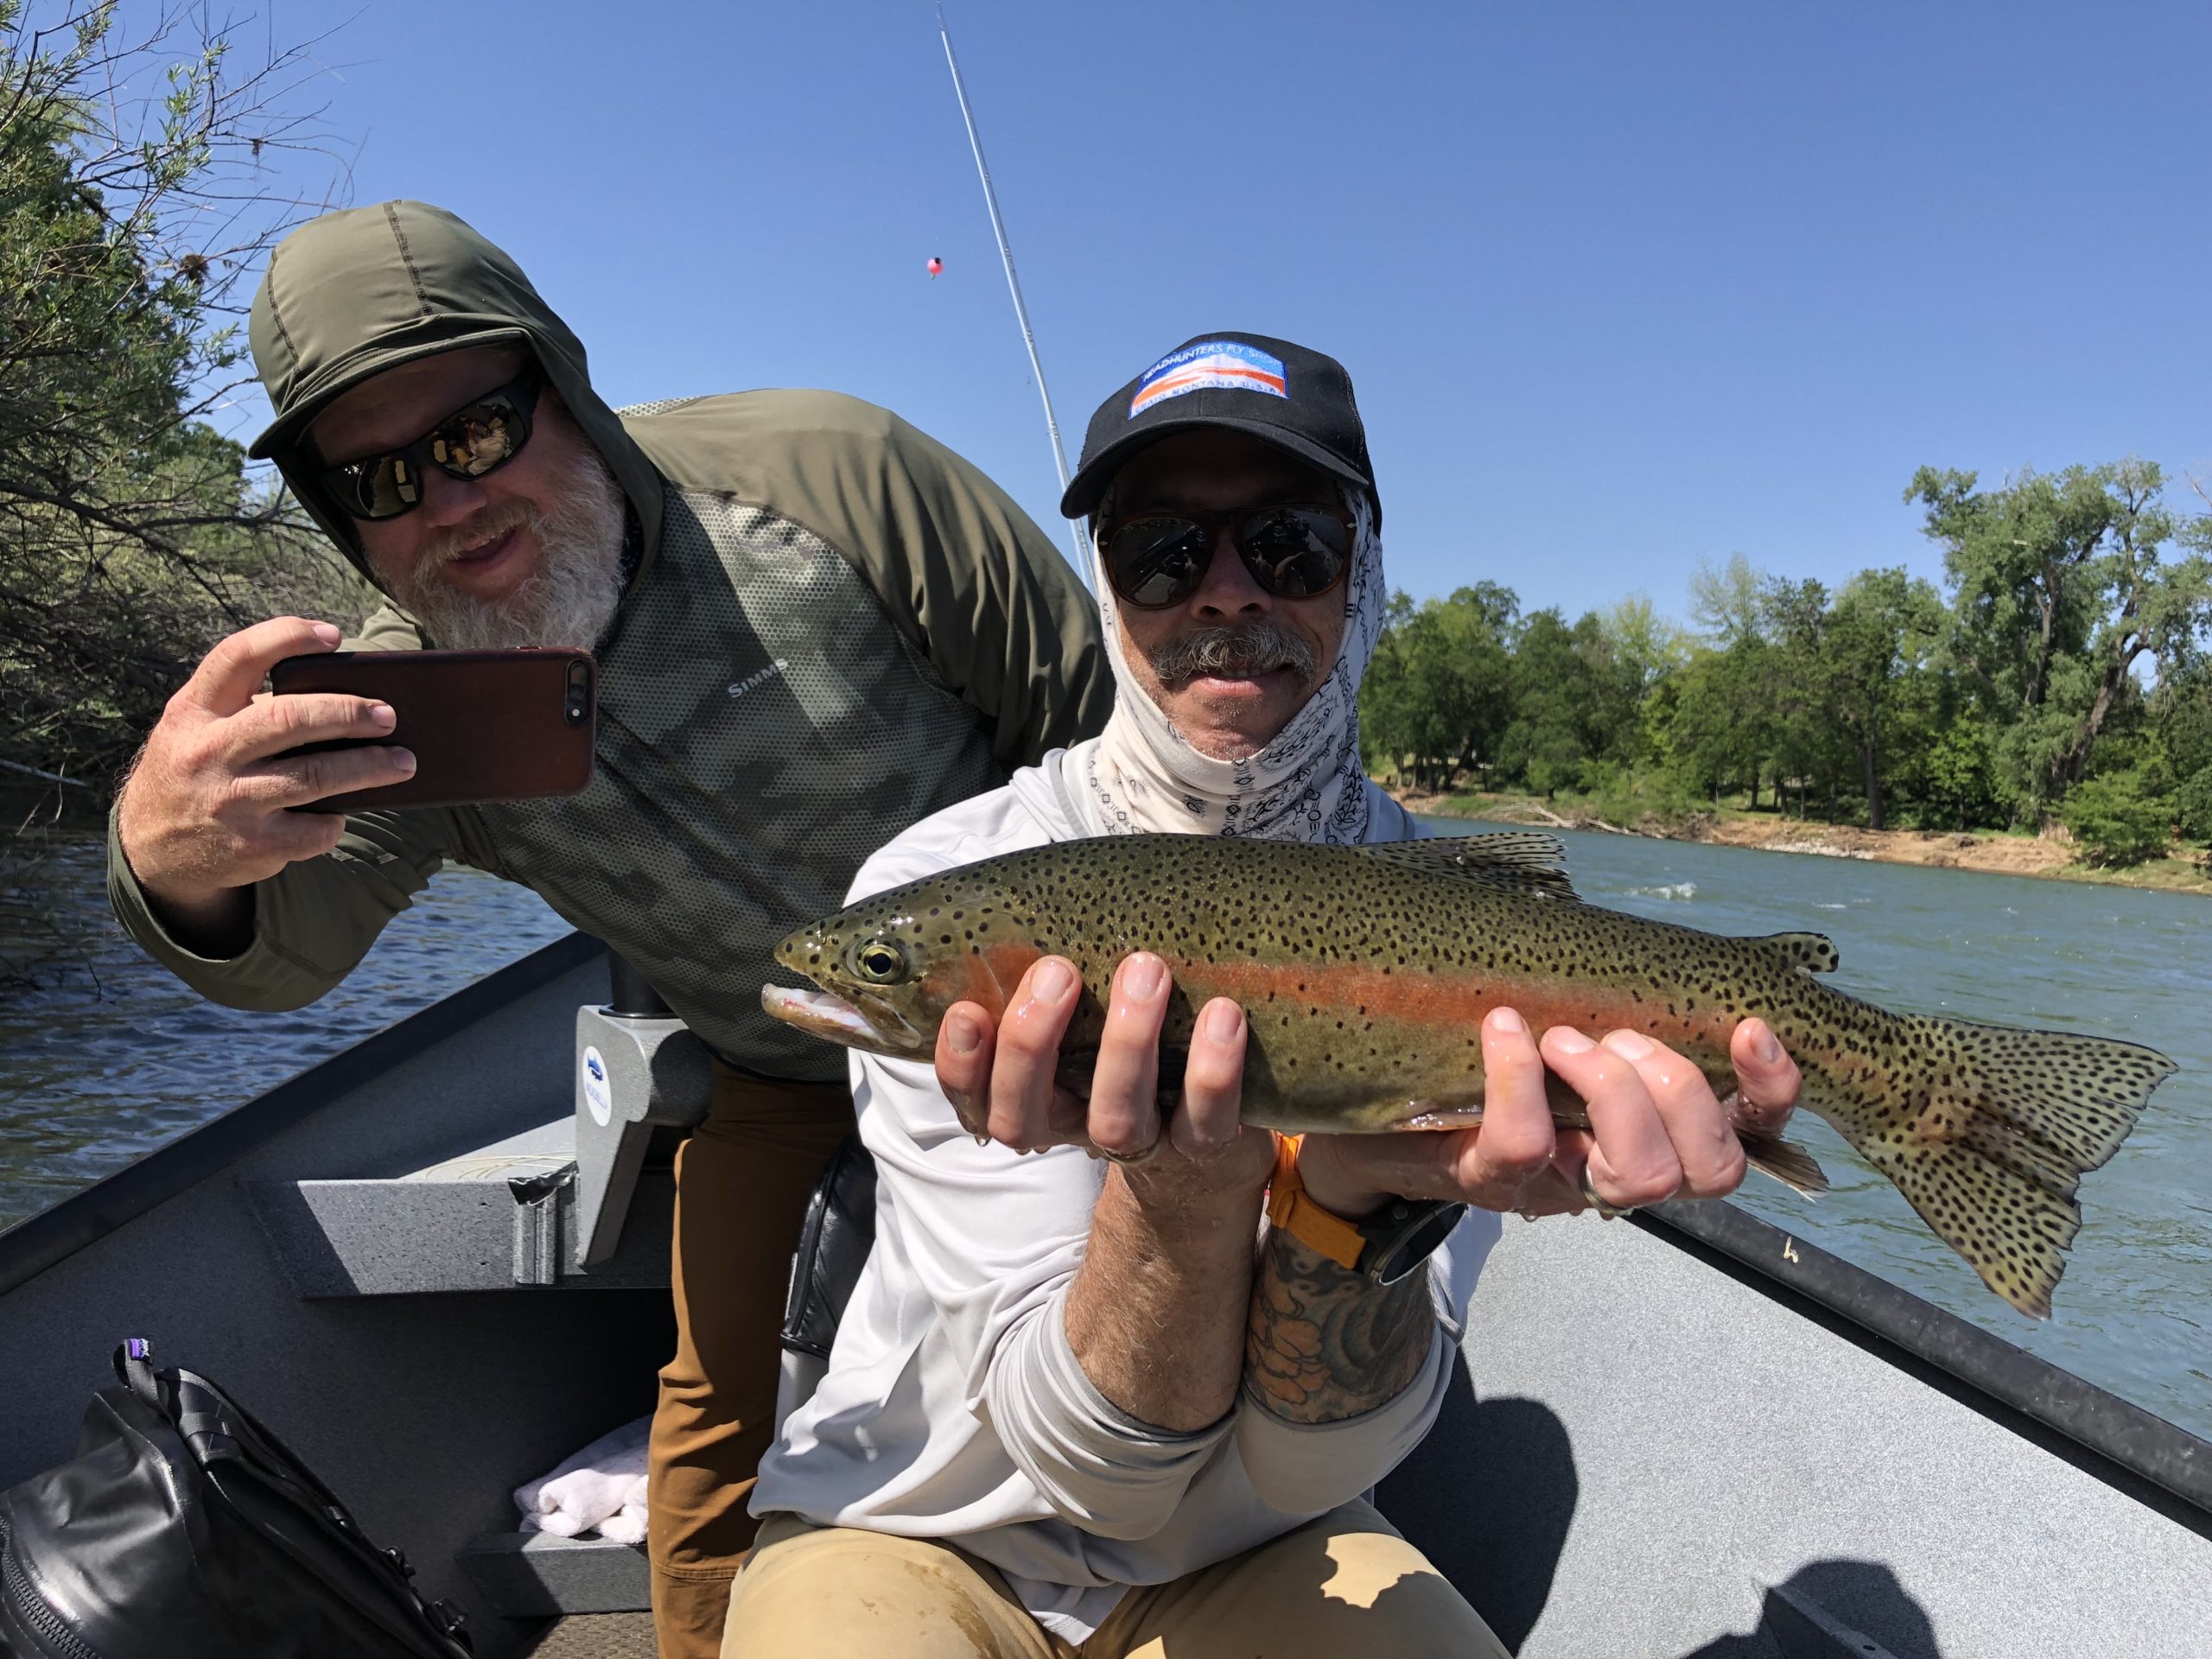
[(54, 1235), (2133, 1450)]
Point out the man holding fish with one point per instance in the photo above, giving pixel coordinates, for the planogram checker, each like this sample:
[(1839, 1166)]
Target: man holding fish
[(1069, 1407)]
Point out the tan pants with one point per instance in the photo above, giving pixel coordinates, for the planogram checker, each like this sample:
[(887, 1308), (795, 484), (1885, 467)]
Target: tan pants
[(742, 1180), (1345, 1584)]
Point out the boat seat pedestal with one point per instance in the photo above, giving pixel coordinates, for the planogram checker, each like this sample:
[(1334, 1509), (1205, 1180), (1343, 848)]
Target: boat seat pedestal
[(635, 1074)]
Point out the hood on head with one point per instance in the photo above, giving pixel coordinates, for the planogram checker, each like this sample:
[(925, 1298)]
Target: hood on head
[(354, 293)]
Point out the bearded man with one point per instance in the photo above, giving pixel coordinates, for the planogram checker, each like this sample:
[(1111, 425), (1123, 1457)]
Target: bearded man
[(786, 590), (1070, 1408)]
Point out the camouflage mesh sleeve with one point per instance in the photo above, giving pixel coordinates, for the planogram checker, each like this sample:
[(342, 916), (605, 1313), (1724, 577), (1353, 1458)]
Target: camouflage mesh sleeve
[(960, 570), (314, 920)]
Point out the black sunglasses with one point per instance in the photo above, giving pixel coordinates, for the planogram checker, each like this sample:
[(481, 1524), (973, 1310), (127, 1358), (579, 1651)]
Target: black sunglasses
[(1158, 559), (480, 437)]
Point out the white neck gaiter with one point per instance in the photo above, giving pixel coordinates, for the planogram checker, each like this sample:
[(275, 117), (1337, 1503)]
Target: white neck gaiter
[(1140, 774)]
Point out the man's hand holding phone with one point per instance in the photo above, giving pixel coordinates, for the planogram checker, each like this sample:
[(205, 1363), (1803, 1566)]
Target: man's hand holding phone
[(206, 811)]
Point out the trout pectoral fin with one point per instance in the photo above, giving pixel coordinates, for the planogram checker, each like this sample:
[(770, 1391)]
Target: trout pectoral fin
[(1441, 1117), (1785, 1161)]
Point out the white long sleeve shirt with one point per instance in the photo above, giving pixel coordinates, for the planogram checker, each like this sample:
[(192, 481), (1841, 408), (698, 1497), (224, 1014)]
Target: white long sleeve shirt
[(953, 1406)]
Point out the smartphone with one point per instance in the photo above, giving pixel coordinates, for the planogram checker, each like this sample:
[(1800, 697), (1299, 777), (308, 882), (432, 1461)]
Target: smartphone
[(484, 725)]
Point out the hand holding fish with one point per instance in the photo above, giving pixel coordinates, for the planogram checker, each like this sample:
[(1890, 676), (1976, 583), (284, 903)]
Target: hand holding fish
[(1006, 1081), (1657, 1131)]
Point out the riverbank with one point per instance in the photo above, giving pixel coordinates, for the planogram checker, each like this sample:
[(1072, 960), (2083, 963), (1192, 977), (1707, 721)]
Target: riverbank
[(1996, 852)]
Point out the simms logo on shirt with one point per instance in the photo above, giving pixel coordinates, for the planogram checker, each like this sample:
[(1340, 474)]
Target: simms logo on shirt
[(1211, 364), (738, 687)]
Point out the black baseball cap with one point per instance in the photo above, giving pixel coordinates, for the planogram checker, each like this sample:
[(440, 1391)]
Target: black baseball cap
[(1292, 398)]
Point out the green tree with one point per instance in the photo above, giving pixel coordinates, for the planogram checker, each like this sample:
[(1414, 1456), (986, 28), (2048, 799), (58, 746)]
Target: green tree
[(2118, 820), (2181, 712), (2060, 587), (1727, 602), (1437, 694), (1882, 630), (1722, 729), (1542, 744), (130, 214), (1958, 776), (1806, 746)]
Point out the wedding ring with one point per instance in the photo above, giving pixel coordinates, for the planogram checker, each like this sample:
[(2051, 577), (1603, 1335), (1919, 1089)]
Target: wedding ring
[(1605, 1210)]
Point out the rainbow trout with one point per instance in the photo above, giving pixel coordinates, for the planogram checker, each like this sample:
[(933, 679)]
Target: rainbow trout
[(1365, 972)]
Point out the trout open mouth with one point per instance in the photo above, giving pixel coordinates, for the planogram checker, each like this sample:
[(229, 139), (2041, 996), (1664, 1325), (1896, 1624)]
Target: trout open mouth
[(879, 1028)]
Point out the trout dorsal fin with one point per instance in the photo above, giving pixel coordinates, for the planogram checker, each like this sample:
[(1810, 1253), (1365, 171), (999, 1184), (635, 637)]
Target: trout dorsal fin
[(1815, 952), (1524, 861)]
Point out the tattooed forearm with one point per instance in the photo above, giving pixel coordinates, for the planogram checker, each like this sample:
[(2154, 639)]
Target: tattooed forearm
[(1323, 1345)]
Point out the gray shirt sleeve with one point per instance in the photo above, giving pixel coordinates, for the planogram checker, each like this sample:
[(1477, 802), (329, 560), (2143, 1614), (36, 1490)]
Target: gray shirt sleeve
[(1098, 1467)]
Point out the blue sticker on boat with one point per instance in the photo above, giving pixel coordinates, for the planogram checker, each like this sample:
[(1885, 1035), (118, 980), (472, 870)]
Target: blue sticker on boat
[(1210, 364)]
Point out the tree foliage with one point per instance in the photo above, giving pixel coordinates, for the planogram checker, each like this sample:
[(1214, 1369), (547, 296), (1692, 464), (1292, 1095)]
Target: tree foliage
[(2059, 676), (2060, 587), (133, 214)]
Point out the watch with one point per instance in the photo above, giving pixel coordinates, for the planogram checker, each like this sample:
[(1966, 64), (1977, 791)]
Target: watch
[(1384, 1247)]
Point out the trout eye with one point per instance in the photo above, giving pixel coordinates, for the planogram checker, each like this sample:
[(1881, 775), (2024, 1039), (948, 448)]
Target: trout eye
[(880, 962)]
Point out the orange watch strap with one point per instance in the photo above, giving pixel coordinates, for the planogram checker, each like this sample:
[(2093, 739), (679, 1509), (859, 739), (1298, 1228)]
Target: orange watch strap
[(1292, 1208)]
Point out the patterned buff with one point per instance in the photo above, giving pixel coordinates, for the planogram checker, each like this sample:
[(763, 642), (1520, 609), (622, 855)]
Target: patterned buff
[(1308, 785)]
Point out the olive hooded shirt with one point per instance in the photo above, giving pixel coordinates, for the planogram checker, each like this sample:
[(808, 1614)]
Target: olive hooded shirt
[(835, 627)]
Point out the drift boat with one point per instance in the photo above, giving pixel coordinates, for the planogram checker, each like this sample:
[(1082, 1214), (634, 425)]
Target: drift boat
[(436, 1264)]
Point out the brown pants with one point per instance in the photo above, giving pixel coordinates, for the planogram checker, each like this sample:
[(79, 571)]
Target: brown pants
[(742, 1180), (1346, 1585)]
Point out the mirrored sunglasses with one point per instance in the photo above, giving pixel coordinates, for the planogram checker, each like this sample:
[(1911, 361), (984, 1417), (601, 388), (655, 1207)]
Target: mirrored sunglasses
[(480, 437), (1158, 559)]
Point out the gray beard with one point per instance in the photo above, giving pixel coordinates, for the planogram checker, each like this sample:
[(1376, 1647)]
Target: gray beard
[(570, 599)]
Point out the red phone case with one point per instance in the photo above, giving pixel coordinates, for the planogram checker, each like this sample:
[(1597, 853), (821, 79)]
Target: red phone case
[(483, 725)]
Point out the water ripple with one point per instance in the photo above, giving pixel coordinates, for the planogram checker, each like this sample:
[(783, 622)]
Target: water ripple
[(110, 1056)]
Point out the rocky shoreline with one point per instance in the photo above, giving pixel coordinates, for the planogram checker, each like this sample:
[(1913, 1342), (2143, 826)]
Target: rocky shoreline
[(2049, 856)]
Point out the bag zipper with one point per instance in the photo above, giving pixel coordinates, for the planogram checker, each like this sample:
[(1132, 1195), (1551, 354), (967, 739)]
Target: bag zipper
[(31, 1607)]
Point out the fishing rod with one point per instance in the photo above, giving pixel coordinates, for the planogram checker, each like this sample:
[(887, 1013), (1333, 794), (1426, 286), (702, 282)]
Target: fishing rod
[(1014, 286)]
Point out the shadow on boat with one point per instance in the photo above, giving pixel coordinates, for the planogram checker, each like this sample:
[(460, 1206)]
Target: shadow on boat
[(1490, 1498), (1800, 1619)]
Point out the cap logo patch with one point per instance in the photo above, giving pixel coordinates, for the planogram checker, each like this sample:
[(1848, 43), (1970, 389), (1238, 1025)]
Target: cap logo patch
[(1210, 364)]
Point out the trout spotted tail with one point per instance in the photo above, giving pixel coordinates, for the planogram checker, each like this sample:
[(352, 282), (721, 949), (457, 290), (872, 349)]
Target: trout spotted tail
[(1365, 974)]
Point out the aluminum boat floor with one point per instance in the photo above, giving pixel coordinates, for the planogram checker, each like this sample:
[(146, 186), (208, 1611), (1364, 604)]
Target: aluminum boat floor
[(596, 1636)]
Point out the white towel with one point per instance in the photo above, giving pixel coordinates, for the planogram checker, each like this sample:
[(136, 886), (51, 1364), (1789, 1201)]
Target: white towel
[(602, 1486)]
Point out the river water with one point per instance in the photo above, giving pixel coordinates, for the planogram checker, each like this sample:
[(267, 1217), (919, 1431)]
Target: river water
[(108, 1057)]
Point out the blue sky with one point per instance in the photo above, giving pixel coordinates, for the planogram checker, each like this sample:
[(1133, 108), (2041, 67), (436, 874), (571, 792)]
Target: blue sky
[(1621, 287)]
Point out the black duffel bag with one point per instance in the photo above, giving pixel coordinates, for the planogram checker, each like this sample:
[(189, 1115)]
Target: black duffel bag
[(183, 1530)]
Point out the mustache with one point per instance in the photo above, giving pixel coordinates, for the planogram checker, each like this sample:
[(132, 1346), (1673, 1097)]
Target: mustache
[(1251, 647)]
